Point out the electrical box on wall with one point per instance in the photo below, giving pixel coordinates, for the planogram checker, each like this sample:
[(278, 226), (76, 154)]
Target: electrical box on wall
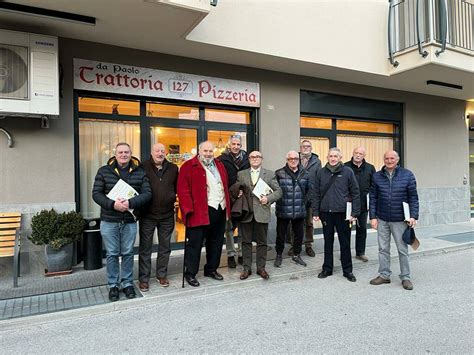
[(29, 75)]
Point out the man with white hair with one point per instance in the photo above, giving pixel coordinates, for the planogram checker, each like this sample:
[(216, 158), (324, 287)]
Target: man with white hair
[(363, 172), (335, 186), (205, 205), (291, 208), (235, 159), (391, 186)]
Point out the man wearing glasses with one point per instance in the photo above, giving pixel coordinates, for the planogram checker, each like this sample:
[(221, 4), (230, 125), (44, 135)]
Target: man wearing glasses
[(235, 159), (311, 163), (256, 222), (294, 183)]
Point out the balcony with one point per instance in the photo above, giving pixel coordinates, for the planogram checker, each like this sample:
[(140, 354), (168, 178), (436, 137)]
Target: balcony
[(434, 33)]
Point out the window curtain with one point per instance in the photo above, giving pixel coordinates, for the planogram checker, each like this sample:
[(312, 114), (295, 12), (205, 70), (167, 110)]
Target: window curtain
[(375, 147), (97, 141)]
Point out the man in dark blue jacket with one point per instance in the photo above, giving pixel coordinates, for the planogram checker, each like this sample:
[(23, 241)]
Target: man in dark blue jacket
[(294, 183), (335, 186), (118, 225), (392, 186)]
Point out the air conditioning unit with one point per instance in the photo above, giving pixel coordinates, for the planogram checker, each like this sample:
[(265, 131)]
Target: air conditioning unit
[(29, 75)]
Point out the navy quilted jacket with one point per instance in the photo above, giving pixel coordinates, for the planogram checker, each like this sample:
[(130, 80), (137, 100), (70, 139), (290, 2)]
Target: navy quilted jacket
[(386, 197), (294, 191)]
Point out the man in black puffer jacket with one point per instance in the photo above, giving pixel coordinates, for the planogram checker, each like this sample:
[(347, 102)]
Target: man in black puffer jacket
[(336, 185), (118, 226), (294, 183)]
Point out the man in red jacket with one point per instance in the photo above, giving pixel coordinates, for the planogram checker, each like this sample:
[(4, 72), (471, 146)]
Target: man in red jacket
[(205, 205)]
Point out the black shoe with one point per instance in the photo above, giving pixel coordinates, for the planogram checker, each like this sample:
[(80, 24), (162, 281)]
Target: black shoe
[(192, 281), (214, 275), (240, 260), (129, 292), (278, 260), (114, 294), (350, 277), (323, 274), (297, 259), (231, 262)]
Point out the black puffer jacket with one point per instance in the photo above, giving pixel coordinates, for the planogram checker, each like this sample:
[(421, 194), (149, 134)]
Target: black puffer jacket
[(344, 189), (231, 168), (106, 178), (295, 187), (363, 175)]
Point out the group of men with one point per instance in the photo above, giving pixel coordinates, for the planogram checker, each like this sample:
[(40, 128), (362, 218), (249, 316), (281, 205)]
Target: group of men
[(217, 195)]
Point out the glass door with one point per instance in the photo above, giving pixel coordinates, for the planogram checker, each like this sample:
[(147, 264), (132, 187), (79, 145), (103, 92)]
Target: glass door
[(180, 145)]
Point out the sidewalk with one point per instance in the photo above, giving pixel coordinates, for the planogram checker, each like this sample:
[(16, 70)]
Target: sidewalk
[(41, 295)]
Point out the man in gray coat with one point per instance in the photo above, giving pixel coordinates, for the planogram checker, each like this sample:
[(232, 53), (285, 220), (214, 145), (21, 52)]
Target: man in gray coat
[(256, 222)]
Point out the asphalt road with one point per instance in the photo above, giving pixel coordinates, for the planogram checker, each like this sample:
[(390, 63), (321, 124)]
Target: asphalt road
[(305, 315)]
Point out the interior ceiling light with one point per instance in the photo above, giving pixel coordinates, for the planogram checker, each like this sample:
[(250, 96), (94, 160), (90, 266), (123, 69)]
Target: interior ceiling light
[(51, 14), (446, 85)]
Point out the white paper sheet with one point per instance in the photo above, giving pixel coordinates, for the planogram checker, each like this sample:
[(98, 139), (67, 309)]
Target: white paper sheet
[(124, 191), (406, 211), (261, 189), (348, 210)]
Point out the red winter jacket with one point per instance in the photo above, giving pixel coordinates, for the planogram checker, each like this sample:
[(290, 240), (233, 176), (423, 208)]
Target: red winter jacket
[(192, 192)]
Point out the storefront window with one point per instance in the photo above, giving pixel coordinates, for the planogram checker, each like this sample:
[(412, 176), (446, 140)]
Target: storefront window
[(221, 140), (227, 116), (180, 143), (315, 122), (108, 106), (172, 111), (375, 147), (97, 141), (360, 126)]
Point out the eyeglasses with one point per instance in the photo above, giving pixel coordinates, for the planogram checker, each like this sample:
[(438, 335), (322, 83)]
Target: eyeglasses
[(255, 157), (306, 146), (293, 159)]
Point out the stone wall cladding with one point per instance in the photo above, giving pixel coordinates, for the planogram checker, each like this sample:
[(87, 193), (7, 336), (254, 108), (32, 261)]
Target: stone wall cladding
[(443, 205)]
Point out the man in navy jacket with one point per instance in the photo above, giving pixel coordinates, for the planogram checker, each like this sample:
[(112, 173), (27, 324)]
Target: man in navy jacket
[(391, 186)]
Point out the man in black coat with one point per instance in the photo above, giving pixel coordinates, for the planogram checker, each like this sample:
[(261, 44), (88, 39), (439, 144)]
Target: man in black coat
[(234, 159), (334, 187), (363, 172), (118, 225), (159, 214)]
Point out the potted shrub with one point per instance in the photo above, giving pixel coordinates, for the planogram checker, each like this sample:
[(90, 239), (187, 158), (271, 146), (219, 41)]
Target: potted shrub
[(58, 232)]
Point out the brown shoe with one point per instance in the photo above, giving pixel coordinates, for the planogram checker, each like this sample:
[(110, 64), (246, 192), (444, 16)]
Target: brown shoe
[(143, 286), (163, 281), (263, 274), (407, 285), (245, 274), (310, 252), (379, 280), (362, 258)]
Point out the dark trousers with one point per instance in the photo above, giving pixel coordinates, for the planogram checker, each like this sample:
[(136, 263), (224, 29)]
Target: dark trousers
[(336, 221), (361, 233), (165, 229), (248, 231), (308, 232), (297, 225), (213, 233)]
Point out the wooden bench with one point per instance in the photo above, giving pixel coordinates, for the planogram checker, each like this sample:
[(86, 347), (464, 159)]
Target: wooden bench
[(10, 224)]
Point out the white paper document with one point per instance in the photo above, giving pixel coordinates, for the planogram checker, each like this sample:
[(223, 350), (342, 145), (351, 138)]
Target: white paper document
[(348, 210), (406, 211), (368, 201), (261, 189), (124, 191)]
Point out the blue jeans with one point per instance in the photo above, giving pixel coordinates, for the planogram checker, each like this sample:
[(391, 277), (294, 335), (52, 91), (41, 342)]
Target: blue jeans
[(119, 239)]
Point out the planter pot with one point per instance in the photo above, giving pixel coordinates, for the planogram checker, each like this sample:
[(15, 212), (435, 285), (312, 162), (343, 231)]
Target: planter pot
[(59, 261)]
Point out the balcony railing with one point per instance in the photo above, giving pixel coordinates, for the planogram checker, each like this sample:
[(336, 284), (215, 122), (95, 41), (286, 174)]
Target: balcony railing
[(417, 23)]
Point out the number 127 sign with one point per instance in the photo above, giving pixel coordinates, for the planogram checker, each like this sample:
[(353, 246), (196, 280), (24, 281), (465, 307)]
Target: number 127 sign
[(180, 86)]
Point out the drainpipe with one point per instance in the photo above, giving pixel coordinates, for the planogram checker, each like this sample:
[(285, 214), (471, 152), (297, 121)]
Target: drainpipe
[(9, 137)]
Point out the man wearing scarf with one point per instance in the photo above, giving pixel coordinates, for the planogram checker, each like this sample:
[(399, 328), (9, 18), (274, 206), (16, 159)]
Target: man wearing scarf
[(205, 205), (234, 159), (335, 186)]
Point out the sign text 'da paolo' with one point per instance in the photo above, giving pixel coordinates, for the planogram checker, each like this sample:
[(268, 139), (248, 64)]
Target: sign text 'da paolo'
[(117, 78)]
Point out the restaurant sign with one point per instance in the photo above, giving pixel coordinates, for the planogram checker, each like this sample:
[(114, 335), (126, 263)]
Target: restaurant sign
[(132, 80)]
